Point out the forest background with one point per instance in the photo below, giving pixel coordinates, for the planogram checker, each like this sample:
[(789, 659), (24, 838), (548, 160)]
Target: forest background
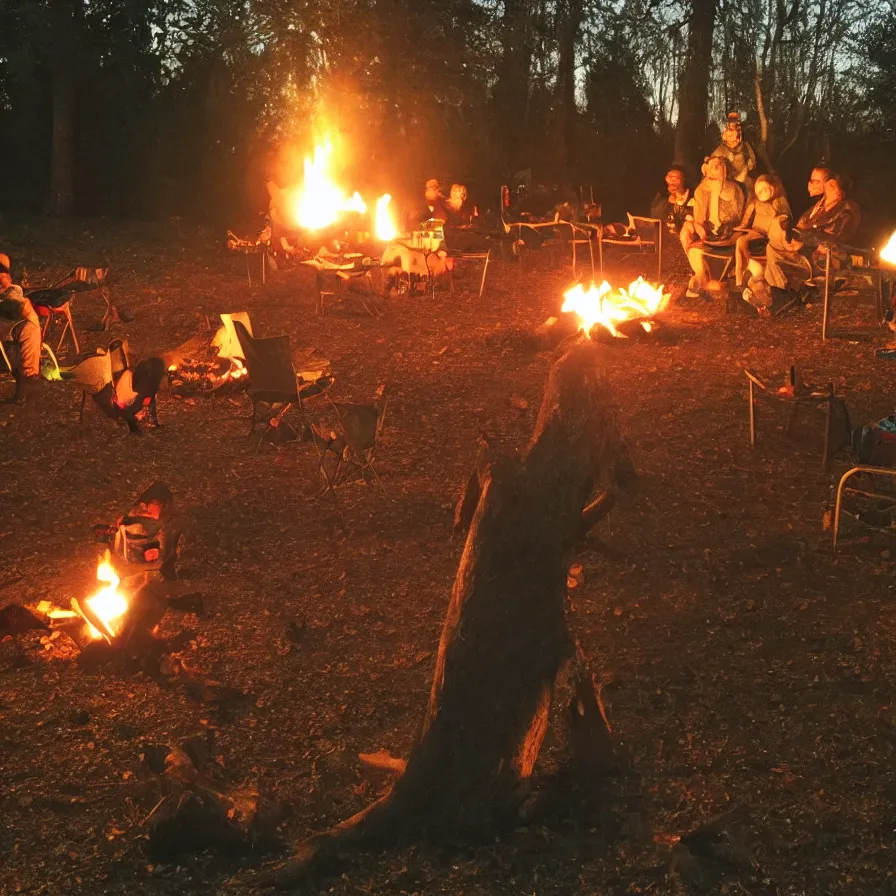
[(186, 108)]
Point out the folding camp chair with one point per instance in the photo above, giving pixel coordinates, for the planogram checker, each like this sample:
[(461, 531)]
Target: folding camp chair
[(484, 257), (642, 234), (581, 235), (836, 422), (273, 382), (49, 365), (869, 490), (54, 305), (91, 375), (350, 446)]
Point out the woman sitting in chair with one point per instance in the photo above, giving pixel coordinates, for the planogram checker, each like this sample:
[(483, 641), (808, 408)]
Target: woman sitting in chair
[(22, 342), (767, 205), (718, 209)]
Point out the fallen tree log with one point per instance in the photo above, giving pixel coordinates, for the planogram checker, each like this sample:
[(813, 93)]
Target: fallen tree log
[(505, 637)]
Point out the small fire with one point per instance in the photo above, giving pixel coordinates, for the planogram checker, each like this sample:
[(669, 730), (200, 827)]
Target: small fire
[(320, 201), (888, 253), (238, 369), (384, 225), (108, 605), (607, 306)]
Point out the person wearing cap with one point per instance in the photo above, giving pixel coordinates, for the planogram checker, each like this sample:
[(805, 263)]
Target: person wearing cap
[(738, 153), (22, 339)]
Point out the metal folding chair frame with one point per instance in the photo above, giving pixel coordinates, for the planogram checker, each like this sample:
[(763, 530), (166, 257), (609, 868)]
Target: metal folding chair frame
[(843, 489), (637, 242), (814, 398)]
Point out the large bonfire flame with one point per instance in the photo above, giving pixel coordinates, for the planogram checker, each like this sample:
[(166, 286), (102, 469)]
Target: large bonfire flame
[(888, 253), (320, 201), (605, 306)]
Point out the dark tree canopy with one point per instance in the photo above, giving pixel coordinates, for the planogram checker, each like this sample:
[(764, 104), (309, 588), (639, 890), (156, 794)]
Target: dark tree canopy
[(168, 107)]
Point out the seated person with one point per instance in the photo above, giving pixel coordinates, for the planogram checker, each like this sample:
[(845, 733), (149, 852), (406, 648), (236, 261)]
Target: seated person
[(461, 232), (22, 339), (458, 213), (767, 204), (833, 215), (718, 209), (675, 206), (434, 207), (736, 152)]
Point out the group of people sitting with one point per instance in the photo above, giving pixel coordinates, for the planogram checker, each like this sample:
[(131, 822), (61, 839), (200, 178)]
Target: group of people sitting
[(729, 211)]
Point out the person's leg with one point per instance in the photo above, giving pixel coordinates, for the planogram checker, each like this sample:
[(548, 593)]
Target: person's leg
[(775, 274), (28, 337), (741, 258), (701, 276)]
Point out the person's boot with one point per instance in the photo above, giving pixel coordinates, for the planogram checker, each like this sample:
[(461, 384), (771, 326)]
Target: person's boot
[(25, 388)]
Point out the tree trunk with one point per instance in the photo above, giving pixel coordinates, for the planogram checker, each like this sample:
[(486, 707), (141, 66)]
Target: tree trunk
[(61, 198), (505, 636), (570, 23), (694, 91), (511, 94)]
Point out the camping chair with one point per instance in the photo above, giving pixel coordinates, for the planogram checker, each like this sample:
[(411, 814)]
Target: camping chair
[(54, 305), (470, 256), (869, 491), (91, 375), (643, 233), (49, 365), (836, 427), (581, 235), (273, 382), (351, 446)]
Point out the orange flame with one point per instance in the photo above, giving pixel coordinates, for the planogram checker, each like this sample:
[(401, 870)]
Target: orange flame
[(320, 201), (607, 306), (384, 224), (108, 604), (888, 253)]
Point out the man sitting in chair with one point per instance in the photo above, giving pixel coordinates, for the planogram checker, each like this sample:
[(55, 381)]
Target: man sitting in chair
[(834, 215), (22, 342), (677, 205)]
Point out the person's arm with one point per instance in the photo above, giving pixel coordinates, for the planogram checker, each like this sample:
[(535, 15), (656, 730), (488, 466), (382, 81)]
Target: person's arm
[(749, 211), (846, 221), (751, 157)]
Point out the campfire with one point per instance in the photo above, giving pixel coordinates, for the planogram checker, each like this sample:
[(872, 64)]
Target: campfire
[(320, 203), (104, 612), (192, 375), (617, 311), (99, 616)]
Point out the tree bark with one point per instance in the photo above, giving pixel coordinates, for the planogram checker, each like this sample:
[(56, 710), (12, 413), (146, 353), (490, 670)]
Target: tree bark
[(505, 636), (62, 198), (511, 96), (694, 91), (571, 15)]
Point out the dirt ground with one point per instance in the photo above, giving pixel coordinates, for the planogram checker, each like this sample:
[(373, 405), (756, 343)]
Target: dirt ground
[(745, 665)]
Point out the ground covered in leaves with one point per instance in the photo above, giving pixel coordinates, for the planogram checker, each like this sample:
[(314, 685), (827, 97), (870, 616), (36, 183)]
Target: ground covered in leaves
[(747, 669)]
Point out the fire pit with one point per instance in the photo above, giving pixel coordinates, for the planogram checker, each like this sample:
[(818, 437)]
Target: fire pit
[(616, 313), (192, 376)]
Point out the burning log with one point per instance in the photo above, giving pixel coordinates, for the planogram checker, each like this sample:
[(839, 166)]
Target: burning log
[(505, 637)]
